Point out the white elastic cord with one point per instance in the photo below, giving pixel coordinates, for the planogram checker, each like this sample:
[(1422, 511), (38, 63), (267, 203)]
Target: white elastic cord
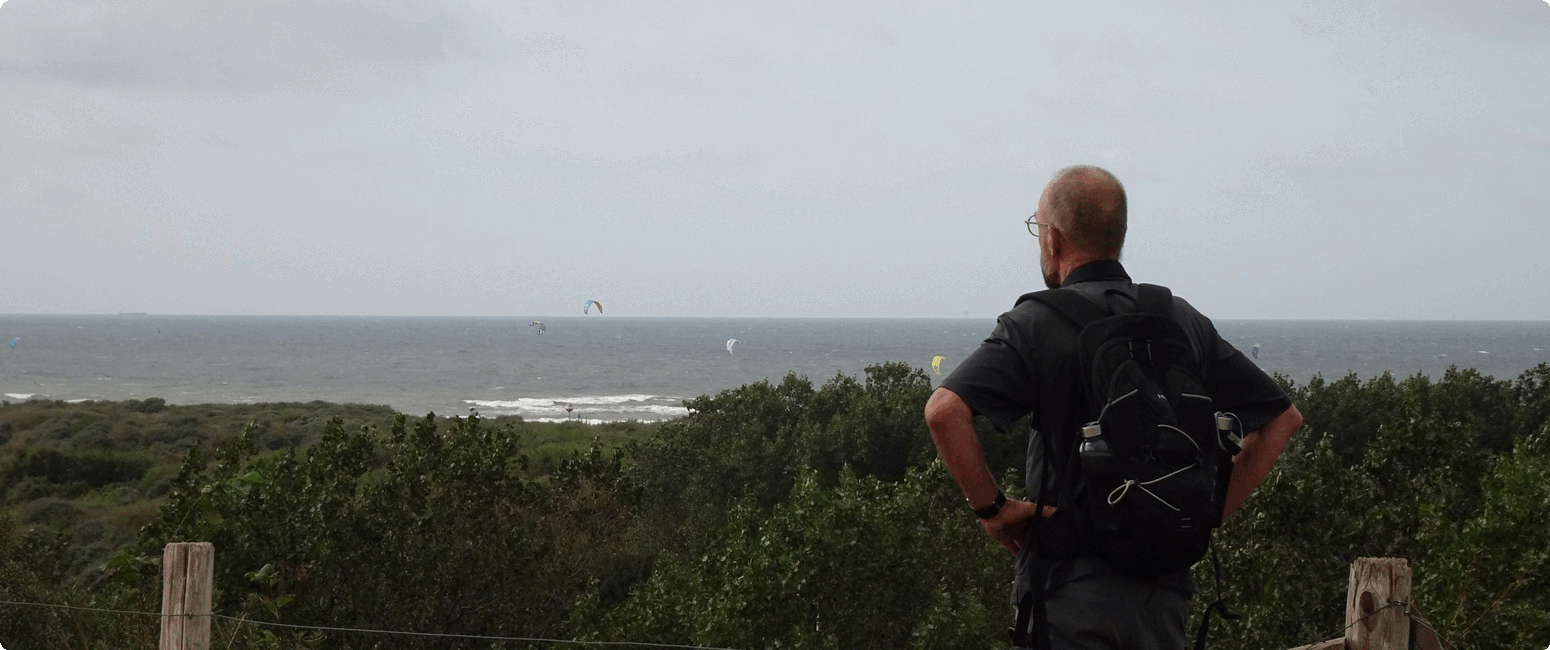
[(1118, 494), (1116, 400), (1159, 499), (1181, 432), (1170, 474)]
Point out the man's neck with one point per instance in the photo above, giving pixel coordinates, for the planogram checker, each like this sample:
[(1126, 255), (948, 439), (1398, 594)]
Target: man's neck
[(1070, 263), (1098, 269)]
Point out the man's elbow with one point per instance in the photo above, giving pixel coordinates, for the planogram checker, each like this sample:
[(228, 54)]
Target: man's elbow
[(1278, 431), (1290, 421), (944, 407), (1273, 436)]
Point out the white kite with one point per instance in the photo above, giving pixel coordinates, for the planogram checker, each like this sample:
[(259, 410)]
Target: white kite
[(730, 343)]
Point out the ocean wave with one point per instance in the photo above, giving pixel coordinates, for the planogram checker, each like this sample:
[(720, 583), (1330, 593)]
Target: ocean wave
[(586, 420), (587, 401), (586, 408)]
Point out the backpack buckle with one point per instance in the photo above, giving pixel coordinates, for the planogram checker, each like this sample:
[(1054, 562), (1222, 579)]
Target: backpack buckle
[(1130, 344), (1146, 357)]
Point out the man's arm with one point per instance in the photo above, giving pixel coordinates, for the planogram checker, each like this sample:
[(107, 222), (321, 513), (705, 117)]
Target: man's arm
[(1261, 448), (952, 428)]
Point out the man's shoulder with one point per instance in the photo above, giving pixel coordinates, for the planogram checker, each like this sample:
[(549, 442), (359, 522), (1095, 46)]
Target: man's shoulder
[(1037, 308), (1036, 327), (1183, 311), (1038, 317)]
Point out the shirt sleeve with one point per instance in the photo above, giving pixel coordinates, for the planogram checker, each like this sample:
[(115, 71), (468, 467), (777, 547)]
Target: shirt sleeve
[(995, 380), (1239, 387)]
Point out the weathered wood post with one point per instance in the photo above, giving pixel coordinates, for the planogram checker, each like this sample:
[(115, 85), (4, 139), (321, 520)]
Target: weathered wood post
[(187, 578), (1373, 620), (1371, 623)]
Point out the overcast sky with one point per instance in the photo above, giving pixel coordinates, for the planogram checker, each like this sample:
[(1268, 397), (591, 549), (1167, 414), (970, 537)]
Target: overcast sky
[(1326, 159)]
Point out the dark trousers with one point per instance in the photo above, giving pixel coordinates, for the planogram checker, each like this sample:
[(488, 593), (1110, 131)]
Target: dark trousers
[(1111, 612)]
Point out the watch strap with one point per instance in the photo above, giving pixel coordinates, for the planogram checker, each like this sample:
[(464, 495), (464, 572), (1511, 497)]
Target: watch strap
[(990, 511)]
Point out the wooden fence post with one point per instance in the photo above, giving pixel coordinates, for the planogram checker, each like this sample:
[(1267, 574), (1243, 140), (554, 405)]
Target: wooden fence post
[(187, 576), (1372, 623)]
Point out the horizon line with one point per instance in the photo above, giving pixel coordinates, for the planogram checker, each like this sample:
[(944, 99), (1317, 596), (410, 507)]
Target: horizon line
[(708, 317)]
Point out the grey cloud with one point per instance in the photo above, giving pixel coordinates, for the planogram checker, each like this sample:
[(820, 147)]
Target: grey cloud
[(228, 48), (1528, 136), (81, 72)]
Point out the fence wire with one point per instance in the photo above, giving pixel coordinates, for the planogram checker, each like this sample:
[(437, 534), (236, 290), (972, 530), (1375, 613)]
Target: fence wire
[(357, 630), (1409, 612)]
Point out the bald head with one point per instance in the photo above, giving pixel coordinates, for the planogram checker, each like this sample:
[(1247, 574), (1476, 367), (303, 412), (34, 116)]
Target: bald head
[(1087, 204)]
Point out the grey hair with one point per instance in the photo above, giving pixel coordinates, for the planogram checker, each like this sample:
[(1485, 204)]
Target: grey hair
[(1087, 204)]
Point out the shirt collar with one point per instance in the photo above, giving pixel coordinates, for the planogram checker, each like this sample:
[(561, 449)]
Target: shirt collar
[(1097, 270)]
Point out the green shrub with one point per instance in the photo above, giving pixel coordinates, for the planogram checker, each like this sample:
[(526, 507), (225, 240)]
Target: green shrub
[(775, 514), (151, 405), (52, 511), (32, 487), (1428, 482), (863, 564), (93, 468), (344, 542), (35, 568)]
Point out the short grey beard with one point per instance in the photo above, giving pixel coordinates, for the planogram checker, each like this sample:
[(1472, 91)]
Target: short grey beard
[(1049, 278)]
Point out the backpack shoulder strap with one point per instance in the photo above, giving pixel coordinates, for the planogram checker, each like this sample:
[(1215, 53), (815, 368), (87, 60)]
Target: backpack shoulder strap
[(1154, 299), (1070, 304)]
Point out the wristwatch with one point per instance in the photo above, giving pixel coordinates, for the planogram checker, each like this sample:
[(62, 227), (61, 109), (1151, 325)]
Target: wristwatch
[(990, 511)]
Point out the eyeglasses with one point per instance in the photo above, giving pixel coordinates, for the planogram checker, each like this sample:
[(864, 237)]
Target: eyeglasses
[(1034, 224)]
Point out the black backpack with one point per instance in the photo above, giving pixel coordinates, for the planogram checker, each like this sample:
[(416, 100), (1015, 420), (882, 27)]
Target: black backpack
[(1149, 502)]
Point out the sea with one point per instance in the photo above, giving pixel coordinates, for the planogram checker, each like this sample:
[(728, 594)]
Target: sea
[(603, 368)]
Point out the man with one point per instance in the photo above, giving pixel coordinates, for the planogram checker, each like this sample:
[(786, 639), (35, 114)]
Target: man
[(1030, 367)]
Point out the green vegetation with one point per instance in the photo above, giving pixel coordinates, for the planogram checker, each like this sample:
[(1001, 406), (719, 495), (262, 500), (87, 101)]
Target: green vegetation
[(775, 515)]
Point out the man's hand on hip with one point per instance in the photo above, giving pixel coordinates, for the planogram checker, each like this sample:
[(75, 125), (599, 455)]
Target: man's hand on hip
[(1009, 525)]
